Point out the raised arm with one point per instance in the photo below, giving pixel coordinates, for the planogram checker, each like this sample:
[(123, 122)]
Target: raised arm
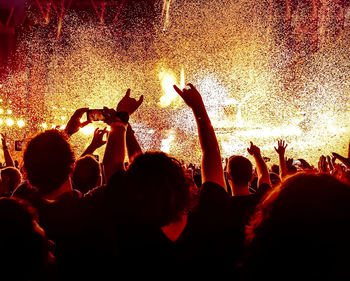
[(281, 149), (114, 156), (212, 169), (132, 144), (263, 171), (7, 155), (96, 142)]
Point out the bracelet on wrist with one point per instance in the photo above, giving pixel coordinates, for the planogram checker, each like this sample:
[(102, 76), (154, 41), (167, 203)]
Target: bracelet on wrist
[(123, 116), (5, 147)]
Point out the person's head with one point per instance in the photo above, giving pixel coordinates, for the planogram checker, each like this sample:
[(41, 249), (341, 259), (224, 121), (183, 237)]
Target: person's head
[(240, 170), (10, 178), (24, 249), (48, 161), (292, 170), (275, 169), (158, 189), (86, 174), (302, 227), (275, 179)]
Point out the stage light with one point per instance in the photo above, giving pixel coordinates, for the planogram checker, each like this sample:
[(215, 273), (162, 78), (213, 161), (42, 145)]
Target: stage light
[(88, 130), (20, 123), (9, 111), (9, 122), (44, 125)]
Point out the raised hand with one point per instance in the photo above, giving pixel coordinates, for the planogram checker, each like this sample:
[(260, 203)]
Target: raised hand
[(323, 165), (97, 140), (74, 123), (4, 139), (345, 161), (190, 96), (281, 147), (253, 150), (128, 104), (304, 164)]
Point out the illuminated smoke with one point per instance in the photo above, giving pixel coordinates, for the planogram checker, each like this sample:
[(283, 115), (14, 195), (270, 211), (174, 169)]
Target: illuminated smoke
[(259, 82)]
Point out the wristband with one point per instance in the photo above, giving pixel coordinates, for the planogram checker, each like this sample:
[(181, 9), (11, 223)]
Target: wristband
[(119, 124), (5, 147), (123, 116)]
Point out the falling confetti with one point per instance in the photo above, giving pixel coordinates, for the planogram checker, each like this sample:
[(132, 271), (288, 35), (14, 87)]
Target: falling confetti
[(265, 72)]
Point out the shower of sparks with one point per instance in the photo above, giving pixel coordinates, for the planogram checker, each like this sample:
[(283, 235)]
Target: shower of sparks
[(257, 83)]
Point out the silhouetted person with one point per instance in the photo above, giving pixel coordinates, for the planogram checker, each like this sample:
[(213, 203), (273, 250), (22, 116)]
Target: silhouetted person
[(11, 177), (24, 248), (301, 231), (86, 174)]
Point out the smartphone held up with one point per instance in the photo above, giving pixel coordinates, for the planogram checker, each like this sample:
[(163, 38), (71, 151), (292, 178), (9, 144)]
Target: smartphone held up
[(95, 115)]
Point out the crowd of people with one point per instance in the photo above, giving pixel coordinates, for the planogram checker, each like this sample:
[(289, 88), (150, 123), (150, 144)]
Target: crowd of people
[(65, 217)]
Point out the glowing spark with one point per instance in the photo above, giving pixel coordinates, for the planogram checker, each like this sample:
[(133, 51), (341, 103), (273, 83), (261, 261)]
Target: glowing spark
[(165, 13), (44, 125), (9, 122), (1, 111), (9, 111), (182, 79), (0, 121)]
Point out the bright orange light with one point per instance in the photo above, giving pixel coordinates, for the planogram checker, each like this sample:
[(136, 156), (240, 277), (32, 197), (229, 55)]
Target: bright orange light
[(168, 80), (88, 130), (9, 122)]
